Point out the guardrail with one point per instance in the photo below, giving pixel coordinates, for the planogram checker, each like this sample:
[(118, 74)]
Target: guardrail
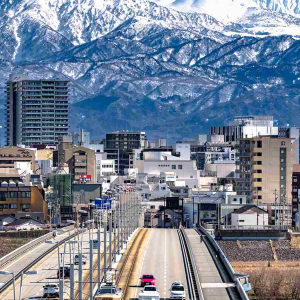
[(31, 264), (23, 249), (253, 227), (239, 287), (192, 271)]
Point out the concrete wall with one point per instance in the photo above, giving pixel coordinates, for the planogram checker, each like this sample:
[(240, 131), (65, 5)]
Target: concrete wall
[(222, 170), (84, 192), (249, 219)]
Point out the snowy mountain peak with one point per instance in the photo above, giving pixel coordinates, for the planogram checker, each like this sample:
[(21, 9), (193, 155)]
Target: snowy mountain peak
[(231, 10)]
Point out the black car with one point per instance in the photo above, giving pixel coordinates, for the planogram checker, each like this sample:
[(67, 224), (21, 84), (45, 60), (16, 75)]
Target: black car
[(66, 273)]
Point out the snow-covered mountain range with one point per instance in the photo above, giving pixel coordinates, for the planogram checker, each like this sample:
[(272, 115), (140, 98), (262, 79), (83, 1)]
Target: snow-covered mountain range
[(231, 10), (141, 65)]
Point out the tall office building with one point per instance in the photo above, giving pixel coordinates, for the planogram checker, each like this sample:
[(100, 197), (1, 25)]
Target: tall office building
[(37, 111), (119, 146)]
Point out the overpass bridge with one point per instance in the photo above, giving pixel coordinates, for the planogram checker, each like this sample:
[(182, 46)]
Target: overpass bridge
[(169, 254)]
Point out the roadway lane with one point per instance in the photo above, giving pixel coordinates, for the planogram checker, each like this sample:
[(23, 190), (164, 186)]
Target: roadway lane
[(212, 284), (162, 257), (18, 264), (47, 271)]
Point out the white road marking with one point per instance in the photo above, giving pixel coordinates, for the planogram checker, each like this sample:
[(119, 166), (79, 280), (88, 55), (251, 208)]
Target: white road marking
[(217, 285), (142, 265)]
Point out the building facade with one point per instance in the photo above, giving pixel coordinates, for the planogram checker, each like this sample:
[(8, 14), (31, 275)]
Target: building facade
[(29, 199), (82, 164), (119, 146), (264, 169), (246, 127), (37, 111), (15, 157), (295, 194)]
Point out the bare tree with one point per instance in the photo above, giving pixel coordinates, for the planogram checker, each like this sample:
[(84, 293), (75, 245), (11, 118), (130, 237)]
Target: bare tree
[(292, 287)]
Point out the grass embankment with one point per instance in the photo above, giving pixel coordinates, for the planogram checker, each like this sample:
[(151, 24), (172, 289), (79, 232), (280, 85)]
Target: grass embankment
[(8, 245)]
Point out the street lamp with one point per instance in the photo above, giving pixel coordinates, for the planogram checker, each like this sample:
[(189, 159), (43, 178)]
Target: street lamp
[(21, 284), (14, 281)]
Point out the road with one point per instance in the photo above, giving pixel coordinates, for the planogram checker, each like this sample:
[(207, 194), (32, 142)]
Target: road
[(18, 264), (47, 269), (162, 257), (212, 284)]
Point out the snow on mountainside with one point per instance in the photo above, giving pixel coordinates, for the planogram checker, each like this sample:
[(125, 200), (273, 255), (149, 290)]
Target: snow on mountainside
[(231, 9), (134, 64)]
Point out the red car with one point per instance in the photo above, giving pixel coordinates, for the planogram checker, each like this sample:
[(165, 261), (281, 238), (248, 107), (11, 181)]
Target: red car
[(147, 279)]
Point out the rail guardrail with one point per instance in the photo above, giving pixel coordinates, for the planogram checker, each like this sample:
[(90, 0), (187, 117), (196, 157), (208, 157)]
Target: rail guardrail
[(239, 287), (191, 267), (23, 249), (31, 264)]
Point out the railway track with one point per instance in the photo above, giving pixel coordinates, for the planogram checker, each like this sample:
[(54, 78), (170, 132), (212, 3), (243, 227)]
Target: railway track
[(130, 258)]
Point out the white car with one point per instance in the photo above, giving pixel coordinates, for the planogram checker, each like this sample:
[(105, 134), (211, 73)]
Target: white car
[(177, 291), (149, 293), (76, 261), (50, 290)]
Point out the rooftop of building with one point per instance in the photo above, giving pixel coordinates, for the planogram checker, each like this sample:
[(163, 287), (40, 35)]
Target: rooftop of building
[(22, 221), (9, 172), (252, 117), (4, 216), (250, 208), (126, 132)]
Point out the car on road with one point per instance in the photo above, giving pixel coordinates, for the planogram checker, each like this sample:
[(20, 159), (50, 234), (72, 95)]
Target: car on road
[(50, 290), (177, 291), (149, 293), (108, 292), (84, 259), (66, 272), (147, 279)]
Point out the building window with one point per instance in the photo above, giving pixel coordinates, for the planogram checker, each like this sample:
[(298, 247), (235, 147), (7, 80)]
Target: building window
[(282, 144), (13, 206), (282, 177), (191, 176), (180, 167), (26, 205), (173, 167), (282, 160), (295, 179)]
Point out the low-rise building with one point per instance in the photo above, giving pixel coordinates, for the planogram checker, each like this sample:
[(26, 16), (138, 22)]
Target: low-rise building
[(82, 164), (16, 198), (14, 157), (249, 215)]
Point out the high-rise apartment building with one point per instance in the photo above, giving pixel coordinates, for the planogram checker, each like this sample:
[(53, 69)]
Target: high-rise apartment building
[(37, 111), (264, 169)]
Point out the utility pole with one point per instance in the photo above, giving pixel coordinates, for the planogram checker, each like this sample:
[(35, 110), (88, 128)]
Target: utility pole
[(110, 238), (276, 198), (257, 207), (91, 270), (105, 252), (80, 276)]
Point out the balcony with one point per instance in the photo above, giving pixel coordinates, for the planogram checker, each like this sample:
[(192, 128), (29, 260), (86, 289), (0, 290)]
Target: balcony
[(256, 150), (256, 184), (256, 175), (256, 167), (256, 158)]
